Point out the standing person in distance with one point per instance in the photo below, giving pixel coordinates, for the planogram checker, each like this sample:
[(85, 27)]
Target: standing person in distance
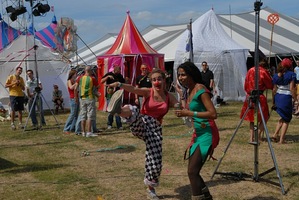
[(146, 123), (203, 113), (265, 82), (86, 85), (142, 80), (207, 76), (112, 77), (284, 98), (74, 106), (32, 88), (16, 85)]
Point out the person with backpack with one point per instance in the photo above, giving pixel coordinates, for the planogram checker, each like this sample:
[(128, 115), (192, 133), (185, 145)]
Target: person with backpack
[(206, 136)]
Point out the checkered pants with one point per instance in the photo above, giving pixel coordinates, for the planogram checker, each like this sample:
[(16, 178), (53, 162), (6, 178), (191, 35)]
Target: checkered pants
[(149, 130)]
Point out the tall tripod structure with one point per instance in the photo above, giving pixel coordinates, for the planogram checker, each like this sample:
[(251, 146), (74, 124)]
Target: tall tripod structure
[(254, 99), (38, 96)]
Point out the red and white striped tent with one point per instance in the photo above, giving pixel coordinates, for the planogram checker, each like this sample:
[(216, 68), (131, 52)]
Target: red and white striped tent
[(129, 51)]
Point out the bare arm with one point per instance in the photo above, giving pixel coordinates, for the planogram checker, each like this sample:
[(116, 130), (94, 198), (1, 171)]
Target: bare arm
[(106, 78), (130, 88)]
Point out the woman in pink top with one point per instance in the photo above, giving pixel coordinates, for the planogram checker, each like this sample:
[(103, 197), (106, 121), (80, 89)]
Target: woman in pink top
[(71, 121), (146, 123)]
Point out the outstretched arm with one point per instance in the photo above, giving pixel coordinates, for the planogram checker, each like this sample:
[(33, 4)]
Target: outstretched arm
[(140, 91)]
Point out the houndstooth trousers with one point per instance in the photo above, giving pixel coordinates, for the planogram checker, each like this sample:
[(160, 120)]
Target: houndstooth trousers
[(149, 130)]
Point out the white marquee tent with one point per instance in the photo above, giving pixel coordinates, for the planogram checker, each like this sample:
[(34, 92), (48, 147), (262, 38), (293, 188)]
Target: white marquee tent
[(225, 57), (240, 27), (51, 67)]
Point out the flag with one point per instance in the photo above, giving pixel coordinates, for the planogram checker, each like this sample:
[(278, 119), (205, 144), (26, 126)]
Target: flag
[(189, 43)]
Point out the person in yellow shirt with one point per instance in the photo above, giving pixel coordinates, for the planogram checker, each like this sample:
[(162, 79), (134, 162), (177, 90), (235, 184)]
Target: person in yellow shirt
[(16, 85)]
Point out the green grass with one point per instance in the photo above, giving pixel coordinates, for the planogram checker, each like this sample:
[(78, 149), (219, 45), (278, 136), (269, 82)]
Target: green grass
[(47, 164)]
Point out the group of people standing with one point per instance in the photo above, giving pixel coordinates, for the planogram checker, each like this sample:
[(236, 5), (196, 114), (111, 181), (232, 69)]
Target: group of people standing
[(152, 103), (283, 86)]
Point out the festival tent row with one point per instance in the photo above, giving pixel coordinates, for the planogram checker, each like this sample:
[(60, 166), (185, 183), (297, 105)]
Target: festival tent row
[(128, 51), (240, 27), (225, 57), (51, 65)]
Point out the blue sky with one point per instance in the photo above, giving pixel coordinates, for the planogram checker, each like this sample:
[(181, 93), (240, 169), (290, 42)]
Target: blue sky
[(95, 18)]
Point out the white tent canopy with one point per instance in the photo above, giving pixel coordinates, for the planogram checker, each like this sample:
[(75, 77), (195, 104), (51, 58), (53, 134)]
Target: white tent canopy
[(50, 66), (240, 27), (225, 57)]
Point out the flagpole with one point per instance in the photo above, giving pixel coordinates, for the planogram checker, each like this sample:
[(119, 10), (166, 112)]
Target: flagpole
[(191, 55)]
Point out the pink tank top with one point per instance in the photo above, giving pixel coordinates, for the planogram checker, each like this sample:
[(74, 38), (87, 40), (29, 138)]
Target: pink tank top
[(155, 109)]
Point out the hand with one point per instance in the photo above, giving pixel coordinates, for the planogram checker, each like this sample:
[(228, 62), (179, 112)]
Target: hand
[(179, 113), (136, 101)]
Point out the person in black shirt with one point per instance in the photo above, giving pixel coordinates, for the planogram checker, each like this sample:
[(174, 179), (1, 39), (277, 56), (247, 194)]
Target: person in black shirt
[(207, 76), (109, 78), (142, 81)]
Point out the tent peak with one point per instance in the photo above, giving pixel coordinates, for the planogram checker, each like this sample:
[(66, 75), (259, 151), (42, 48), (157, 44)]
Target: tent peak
[(128, 12)]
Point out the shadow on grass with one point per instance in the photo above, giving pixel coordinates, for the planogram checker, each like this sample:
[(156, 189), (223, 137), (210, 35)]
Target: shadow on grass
[(292, 138), (34, 167), (30, 145), (117, 149), (184, 193)]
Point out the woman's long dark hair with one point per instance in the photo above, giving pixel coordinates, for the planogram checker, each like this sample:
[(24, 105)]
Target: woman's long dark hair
[(192, 71)]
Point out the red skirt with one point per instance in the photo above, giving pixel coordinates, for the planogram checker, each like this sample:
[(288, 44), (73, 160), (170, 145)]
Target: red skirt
[(251, 113)]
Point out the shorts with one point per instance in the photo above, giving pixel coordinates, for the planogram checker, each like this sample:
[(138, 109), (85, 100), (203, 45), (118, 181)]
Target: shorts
[(88, 109), (16, 103)]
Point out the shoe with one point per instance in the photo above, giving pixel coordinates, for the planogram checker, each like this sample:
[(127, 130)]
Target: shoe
[(78, 133), (109, 127), (151, 183), (21, 126), (83, 134), (151, 194), (115, 103), (13, 127), (67, 132), (90, 134), (120, 128)]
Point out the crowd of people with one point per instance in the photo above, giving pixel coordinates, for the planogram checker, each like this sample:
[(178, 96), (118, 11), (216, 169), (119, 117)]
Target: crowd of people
[(195, 89)]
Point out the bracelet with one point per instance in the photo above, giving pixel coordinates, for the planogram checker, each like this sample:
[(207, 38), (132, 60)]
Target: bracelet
[(120, 84), (195, 114)]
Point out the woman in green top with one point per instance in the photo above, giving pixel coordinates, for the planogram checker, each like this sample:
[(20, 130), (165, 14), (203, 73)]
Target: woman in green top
[(201, 109)]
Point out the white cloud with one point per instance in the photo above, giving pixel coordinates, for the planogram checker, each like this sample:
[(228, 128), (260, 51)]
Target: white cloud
[(144, 15)]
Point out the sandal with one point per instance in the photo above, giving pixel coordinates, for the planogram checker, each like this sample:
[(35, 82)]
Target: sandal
[(274, 139)]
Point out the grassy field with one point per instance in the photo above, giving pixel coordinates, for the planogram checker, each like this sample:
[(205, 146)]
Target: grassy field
[(47, 164)]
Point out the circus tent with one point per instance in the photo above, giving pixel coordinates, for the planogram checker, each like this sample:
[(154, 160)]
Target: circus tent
[(129, 51)]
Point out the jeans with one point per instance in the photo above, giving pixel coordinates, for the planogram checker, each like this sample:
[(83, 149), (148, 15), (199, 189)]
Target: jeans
[(110, 118), (72, 119), (78, 125), (32, 109), (117, 120)]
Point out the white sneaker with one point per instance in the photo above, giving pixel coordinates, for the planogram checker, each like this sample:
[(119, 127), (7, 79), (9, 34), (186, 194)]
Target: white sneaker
[(120, 128), (83, 134), (151, 194), (13, 127), (90, 134), (114, 106), (109, 127)]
